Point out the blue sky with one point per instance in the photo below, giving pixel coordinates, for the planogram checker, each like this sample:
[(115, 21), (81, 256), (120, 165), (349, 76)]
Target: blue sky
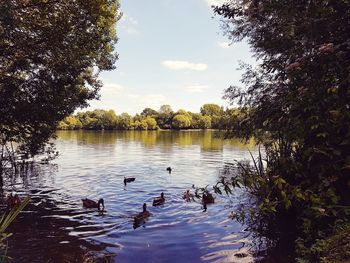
[(170, 52)]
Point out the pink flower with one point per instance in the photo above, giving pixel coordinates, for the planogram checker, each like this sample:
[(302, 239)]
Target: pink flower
[(326, 48), (322, 211)]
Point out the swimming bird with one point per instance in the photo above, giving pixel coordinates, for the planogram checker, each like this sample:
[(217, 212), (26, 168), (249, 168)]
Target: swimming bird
[(159, 200), (187, 196), (208, 198), (141, 217), (169, 169), (88, 203), (128, 179)]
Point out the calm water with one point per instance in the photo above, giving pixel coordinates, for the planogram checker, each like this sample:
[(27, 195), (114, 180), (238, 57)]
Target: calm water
[(55, 227)]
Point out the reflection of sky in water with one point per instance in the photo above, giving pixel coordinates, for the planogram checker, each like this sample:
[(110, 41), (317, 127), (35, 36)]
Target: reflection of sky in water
[(93, 165)]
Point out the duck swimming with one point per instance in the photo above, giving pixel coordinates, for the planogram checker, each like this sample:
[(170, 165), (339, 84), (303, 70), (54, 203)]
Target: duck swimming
[(169, 169), (187, 196), (208, 198), (140, 217), (128, 179), (88, 203), (159, 200)]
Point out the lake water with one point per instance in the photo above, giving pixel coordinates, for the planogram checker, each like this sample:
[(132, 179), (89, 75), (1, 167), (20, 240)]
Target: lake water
[(56, 228)]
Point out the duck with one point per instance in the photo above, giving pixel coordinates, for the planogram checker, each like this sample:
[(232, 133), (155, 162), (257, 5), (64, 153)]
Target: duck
[(140, 217), (128, 179), (169, 169), (159, 200), (208, 198), (88, 203), (187, 196)]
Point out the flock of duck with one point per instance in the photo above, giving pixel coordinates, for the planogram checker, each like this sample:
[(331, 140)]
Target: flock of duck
[(13, 201), (140, 218)]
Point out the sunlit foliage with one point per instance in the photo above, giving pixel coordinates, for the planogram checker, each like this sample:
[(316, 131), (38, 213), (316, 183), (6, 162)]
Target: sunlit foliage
[(297, 103), (50, 55)]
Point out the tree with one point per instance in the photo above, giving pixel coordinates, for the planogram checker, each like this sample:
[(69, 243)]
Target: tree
[(151, 123), (215, 112), (211, 110), (296, 103), (165, 109), (70, 123), (140, 125), (124, 121), (181, 122), (195, 117), (49, 63), (149, 112), (109, 120), (165, 116), (204, 122)]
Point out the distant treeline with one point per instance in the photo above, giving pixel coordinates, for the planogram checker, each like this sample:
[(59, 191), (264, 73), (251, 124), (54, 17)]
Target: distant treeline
[(211, 116)]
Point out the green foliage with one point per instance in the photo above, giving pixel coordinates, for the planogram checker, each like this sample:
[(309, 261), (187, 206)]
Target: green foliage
[(151, 123), (295, 103), (181, 122), (149, 112), (149, 119), (215, 112), (211, 110), (204, 122), (165, 116), (50, 63), (124, 122), (5, 221)]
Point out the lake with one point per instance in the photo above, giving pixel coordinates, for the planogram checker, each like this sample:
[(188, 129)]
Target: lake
[(56, 228)]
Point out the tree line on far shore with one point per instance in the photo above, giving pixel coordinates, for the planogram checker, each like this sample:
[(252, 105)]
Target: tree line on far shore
[(211, 116)]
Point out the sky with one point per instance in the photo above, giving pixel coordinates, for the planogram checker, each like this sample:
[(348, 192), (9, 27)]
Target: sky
[(170, 52)]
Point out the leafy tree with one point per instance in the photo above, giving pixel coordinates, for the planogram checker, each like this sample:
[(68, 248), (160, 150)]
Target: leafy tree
[(70, 123), (140, 125), (204, 122), (211, 110), (183, 112), (165, 116), (181, 122), (151, 123), (51, 54), (149, 112), (214, 111), (109, 120), (296, 102), (124, 122), (165, 109), (195, 117)]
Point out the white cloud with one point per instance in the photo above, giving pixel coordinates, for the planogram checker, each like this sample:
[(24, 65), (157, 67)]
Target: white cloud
[(223, 44), (216, 2), (180, 65), (195, 88)]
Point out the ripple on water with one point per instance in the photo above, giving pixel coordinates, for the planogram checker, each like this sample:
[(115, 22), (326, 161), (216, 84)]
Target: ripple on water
[(93, 165)]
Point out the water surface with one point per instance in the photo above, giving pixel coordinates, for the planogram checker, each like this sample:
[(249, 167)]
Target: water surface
[(56, 228)]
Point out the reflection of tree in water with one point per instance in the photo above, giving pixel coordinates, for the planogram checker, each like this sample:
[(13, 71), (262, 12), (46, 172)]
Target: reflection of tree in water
[(263, 244), (208, 140), (42, 234), (43, 231)]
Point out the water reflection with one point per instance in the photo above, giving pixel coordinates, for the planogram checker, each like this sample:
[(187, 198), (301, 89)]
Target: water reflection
[(56, 228), (208, 140)]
